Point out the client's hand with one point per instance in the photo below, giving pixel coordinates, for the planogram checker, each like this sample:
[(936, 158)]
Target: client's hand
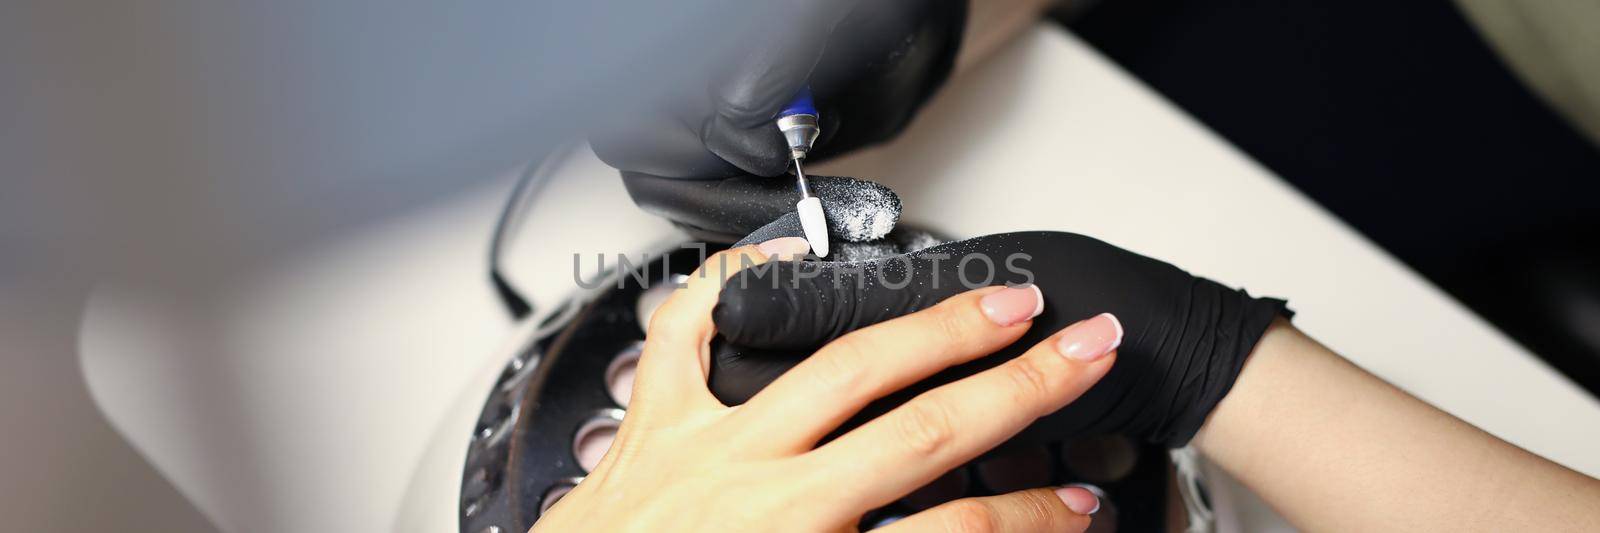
[(683, 461), (1186, 341)]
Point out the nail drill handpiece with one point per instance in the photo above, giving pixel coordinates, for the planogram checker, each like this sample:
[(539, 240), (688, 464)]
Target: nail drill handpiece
[(798, 122)]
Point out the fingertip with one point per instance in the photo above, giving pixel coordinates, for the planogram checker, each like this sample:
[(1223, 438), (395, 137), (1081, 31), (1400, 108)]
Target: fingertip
[(1009, 306), (1090, 340), (1115, 323), (785, 248), (1079, 498)]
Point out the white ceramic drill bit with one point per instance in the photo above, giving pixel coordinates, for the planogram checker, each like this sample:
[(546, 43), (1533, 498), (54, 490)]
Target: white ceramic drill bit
[(799, 125), (812, 220)]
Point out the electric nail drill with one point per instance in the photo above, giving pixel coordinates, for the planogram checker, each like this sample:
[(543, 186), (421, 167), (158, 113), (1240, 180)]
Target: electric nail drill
[(798, 122)]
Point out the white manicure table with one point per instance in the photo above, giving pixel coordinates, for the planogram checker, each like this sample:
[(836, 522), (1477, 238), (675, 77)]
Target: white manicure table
[(334, 391)]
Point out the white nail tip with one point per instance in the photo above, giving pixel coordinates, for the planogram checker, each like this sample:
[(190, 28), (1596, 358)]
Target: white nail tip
[(1118, 323)]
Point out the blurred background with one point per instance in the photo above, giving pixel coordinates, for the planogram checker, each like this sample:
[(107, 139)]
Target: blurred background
[(1461, 136), (174, 143)]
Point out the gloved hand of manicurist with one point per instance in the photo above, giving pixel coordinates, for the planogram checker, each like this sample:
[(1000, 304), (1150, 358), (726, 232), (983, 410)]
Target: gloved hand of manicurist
[(1186, 338), (870, 64)]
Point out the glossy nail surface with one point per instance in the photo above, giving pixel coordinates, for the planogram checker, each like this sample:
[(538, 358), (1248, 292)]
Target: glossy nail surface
[(1079, 498), (1012, 305), (785, 247), (1090, 339)]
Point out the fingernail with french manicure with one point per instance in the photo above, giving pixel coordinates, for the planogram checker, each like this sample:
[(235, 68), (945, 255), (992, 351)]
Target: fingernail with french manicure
[(1092, 339), (1012, 305), (1080, 498), (785, 247)]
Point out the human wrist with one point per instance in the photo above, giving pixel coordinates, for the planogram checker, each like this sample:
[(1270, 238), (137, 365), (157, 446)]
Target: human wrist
[(1259, 371)]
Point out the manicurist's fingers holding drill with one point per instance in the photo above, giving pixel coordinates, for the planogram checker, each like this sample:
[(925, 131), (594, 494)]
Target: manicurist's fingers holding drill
[(870, 64), (684, 462)]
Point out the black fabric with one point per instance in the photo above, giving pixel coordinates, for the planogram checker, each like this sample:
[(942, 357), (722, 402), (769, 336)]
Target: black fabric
[(787, 225), (723, 210), (870, 66), (1186, 338)]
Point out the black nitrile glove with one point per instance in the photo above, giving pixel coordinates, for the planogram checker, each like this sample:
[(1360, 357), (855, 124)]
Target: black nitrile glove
[(1185, 340), (871, 64), (727, 209)]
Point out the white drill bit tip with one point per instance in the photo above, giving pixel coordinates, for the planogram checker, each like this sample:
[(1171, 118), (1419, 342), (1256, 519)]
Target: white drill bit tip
[(814, 223)]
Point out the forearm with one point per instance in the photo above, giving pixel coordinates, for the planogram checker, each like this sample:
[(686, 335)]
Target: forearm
[(1335, 448), (992, 23)]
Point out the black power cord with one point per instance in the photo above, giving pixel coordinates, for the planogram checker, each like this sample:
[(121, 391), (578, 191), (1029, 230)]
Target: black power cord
[(533, 179)]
